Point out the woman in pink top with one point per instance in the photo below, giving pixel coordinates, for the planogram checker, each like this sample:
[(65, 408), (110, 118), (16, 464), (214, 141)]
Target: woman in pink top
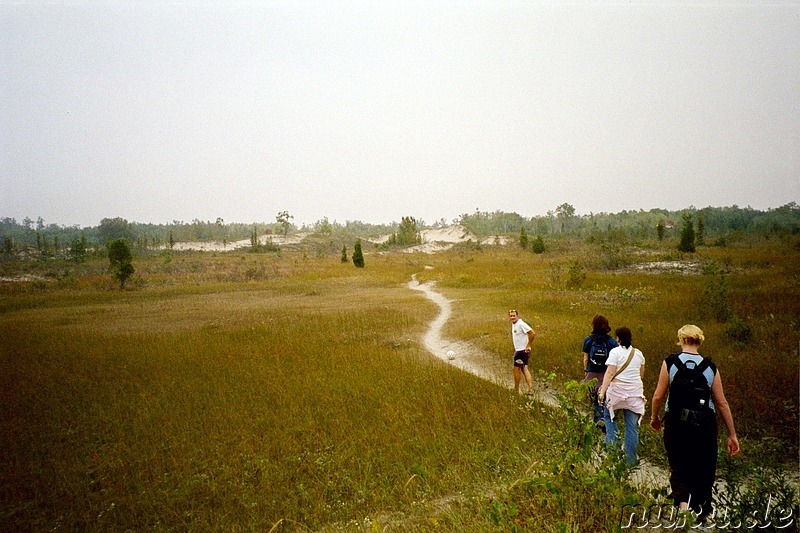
[(623, 391)]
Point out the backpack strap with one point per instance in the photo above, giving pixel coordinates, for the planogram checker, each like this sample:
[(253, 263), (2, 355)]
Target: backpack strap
[(625, 365), (675, 360)]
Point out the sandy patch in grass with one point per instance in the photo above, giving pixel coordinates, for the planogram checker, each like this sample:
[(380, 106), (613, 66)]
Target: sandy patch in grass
[(218, 246), (667, 267), (24, 278), (433, 240)]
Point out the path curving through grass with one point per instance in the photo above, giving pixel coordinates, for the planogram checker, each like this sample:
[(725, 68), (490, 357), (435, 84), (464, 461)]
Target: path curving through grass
[(467, 356), (472, 359)]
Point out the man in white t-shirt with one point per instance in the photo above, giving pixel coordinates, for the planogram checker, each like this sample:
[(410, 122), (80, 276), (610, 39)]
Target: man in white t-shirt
[(522, 335)]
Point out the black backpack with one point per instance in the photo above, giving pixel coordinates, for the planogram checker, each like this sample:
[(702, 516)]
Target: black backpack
[(598, 355), (689, 393)]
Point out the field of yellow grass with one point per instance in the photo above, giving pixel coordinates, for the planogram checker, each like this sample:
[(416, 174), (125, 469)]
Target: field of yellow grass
[(252, 391)]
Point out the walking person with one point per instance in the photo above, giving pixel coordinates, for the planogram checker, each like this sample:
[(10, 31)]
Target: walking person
[(692, 387), (622, 391), (522, 336), (596, 347)]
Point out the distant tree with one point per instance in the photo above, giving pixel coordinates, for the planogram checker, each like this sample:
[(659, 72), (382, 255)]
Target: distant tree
[(8, 246), (114, 228), (660, 229), (565, 213), (358, 256), (78, 249), (254, 239), (523, 239), (344, 253), (407, 234), (687, 243), (120, 257), (323, 227), (283, 219), (538, 245), (701, 231), (171, 240)]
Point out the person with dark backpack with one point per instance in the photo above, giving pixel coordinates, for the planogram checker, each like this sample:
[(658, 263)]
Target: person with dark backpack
[(692, 387), (596, 347)]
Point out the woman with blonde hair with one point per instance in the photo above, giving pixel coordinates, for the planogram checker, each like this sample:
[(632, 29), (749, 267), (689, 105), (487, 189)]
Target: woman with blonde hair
[(695, 396)]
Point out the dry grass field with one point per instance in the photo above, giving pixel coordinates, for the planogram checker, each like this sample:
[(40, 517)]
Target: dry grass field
[(291, 391)]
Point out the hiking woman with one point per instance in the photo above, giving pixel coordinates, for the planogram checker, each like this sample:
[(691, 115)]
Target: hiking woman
[(690, 424), (596, 348), (623, 392)]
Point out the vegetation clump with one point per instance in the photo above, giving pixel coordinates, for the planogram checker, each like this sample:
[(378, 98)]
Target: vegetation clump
[(120, 258), (358, 255)]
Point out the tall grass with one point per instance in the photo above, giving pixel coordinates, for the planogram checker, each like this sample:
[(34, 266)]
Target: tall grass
[(246, 391), (765, 293), (240, 407)]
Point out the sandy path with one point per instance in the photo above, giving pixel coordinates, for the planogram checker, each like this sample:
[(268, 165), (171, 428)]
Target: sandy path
[(468, 357)]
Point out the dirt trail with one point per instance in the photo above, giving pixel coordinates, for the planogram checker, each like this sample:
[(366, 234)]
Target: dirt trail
[(466, 356), (472, 359)]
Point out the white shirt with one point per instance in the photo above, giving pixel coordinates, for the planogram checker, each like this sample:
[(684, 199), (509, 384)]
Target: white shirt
[(618, 356), (519, 334)]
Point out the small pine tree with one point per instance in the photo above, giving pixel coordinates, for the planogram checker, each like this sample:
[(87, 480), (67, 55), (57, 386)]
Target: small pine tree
[(120, 257), (660, 229), (687, 243), (701, 231), (538, 245), (254, 239), (344, 253), (407, 233), (523, 239), (78, 249), (8, 246), (358, 256)]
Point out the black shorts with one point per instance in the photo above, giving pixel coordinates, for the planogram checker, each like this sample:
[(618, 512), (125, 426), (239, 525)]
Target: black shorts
[(521, 356)]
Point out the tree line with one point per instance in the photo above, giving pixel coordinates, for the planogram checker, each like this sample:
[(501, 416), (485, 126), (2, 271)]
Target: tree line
[(712, 223), (716, 222)]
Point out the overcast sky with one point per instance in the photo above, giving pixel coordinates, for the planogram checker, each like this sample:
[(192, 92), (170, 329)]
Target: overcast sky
[(371, 111)]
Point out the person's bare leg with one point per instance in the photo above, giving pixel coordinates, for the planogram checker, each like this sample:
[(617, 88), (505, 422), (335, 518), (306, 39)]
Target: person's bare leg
[(517, 377), (528, 379)]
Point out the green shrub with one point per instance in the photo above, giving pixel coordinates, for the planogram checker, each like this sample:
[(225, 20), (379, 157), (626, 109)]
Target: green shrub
[(576, 275), (738, 330), (358, 255), (715, 294), (538, 245)]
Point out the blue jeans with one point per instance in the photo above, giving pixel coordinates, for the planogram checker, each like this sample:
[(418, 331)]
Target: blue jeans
[(631, 432)]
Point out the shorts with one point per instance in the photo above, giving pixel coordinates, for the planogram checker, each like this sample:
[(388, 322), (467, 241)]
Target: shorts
[(521, 356)]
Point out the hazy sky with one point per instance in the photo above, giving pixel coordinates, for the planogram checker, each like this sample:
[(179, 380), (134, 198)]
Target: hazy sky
[(162, 111)]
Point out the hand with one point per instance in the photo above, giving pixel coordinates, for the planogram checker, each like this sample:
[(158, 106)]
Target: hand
[(733, 445), (655, 423)]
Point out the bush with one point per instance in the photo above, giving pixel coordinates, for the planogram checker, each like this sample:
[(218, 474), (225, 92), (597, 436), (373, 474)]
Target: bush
[(739, 331), (538, 245), (576, 275), (120, 257), (687, 243), (358, 256), (715, 294)]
